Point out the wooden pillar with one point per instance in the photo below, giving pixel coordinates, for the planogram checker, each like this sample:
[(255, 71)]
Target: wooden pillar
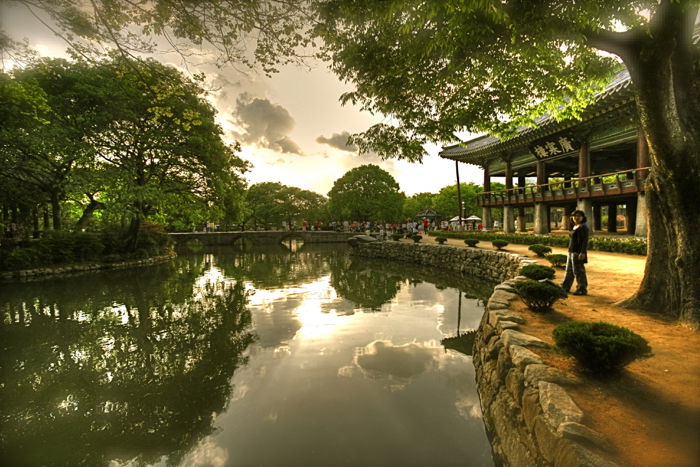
[(509, 175), (596, 218), (584, 160), (541, 173), (612, 217), (508, 218), (541, 216), (631, 216), (459, 198), (486, 220)]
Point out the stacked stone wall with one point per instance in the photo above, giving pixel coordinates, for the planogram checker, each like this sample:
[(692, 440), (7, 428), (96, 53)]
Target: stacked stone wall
[(530, 418), (491, 265), (37, 273)]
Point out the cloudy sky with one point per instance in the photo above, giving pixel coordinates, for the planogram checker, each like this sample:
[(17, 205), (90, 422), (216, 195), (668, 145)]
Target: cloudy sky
[(291, 126)]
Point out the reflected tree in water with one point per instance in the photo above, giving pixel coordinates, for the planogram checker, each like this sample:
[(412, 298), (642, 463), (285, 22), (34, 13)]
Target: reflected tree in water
[(363, 285), (273, 266), (83, 383)]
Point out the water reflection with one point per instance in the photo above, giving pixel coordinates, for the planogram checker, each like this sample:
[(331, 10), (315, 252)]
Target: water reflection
[(223, 354), (122, 369)]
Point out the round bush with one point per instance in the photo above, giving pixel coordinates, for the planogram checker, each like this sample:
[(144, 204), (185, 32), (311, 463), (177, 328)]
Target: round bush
[(416, 238), (396, 236), (599, 347), (537, 272), (471, 241), (539, 249), (539, 296), (440, 240), (557, 260), (499, 244)]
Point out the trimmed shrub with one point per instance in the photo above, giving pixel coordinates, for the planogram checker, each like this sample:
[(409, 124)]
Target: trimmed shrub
[(600, 347), (440, 240), (540, 249), (500, 244), (630, 246), (416, 238), (396, 237), (471, 241), (557, 260), (537, 272), (539, 296)]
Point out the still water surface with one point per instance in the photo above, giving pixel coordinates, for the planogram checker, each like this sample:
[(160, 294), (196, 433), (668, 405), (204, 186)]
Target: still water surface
[(257, 357)]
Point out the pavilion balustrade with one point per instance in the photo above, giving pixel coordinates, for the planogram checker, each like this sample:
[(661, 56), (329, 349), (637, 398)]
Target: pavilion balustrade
[(610, 184)]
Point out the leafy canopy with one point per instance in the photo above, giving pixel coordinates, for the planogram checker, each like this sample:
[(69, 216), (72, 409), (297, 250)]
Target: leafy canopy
[(366, 193), (262, 33), (435, 67)]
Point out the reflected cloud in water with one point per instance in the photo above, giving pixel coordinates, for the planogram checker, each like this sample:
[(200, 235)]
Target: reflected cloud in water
[(382, 359)]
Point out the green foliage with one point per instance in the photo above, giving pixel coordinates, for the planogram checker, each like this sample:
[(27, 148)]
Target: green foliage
[(471, 241), (426, 65), (557, 260), (630, 246), (539, 296), (366, 193), (417, 203), (600, 347), (238, 32), (416, 238), (537, 272), (540, 249), (271, 203), (60, 248), (396, 236), (441, 240), (133, 138), (500, 244)]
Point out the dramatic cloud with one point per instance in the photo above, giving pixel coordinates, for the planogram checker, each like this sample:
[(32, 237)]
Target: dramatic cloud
[(338, 140), (266, 124)]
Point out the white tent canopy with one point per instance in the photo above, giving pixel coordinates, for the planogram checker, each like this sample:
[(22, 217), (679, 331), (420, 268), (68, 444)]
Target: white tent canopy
[(469, 219)]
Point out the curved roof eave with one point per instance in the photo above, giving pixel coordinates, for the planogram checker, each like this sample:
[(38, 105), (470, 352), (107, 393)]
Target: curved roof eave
[(616, 95)]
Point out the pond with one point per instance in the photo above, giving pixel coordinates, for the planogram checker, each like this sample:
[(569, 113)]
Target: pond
[(255, 356)]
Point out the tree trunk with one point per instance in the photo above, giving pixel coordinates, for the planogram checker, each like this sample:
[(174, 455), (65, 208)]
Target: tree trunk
[(55, 211), (665, 72), (85, 219)]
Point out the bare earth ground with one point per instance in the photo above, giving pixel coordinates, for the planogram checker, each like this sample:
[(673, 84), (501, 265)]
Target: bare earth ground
[(651, 413)]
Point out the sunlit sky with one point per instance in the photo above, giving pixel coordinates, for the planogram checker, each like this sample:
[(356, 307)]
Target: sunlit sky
[(292, 126)]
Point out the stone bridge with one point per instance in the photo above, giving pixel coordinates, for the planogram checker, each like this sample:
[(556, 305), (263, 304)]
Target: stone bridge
[(262, 237)]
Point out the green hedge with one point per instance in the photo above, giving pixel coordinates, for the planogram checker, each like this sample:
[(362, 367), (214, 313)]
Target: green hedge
[(632, 246), (537, 272), (59, 247), (539, 296), (600, 347)]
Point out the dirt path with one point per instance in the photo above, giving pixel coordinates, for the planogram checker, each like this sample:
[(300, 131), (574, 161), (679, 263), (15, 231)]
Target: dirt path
[(651, 413)]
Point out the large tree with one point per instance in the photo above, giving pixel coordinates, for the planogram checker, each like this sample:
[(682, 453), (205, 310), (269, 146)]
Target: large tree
[(366, 193), (241, 33), (436, 67), (271, 203)]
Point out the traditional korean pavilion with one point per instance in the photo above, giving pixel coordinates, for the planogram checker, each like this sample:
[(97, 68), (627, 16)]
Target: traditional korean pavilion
[(599, 161)]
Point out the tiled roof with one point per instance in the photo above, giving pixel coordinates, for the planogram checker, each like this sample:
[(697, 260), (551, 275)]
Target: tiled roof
[(616, 94)]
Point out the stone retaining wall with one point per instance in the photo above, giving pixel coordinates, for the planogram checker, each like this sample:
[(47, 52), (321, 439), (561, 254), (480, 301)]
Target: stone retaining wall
[(37, 273), (530, 419), (489, 265)]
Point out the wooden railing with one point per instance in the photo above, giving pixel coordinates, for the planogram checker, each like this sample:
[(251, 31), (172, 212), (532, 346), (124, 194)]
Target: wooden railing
[(611, 184)]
